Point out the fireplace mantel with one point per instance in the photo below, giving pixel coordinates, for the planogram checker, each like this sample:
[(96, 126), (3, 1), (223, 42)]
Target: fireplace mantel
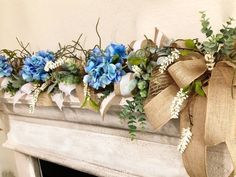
[(81, 140)]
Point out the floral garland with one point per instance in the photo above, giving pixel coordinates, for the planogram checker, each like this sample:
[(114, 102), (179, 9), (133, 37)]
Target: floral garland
[(98, 70)]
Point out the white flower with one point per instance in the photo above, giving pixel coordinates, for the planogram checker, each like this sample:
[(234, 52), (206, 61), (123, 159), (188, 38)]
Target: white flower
[(50, 65), (34, 100), (137, 71), (210, 61), (186, 136), (169, 60), (177, 103), (36, 93)]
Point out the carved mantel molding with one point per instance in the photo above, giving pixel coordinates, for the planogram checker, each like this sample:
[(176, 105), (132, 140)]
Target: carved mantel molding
[(81, 140)]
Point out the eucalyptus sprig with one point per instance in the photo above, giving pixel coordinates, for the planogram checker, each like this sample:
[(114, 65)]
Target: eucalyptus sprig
[(221, 44), (133, 111)]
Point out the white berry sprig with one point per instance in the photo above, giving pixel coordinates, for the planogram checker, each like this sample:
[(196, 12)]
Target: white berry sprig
[(167, 61), (36, 93), (50, 65), (137, 71), (186, 136), (210, 61), (177, 103)]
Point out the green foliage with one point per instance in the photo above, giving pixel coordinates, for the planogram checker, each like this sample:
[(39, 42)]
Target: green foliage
[(195, 87), (66, 77), (68, 74), (14, 85), (137, 58), (206, 28), (133, 112), (222, 43)]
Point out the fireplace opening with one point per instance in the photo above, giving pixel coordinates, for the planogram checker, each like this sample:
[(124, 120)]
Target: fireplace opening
[(49, 169)]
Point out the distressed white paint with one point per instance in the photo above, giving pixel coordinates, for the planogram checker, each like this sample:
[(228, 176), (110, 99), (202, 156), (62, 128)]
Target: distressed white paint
[(101, 150), (97, 146)]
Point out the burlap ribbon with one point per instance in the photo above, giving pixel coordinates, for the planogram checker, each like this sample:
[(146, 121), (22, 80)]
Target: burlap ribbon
[(221, 109), (213, 117), (183, 73), (194, 157)]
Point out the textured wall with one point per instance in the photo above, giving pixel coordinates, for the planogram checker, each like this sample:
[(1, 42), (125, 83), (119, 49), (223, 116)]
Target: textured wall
[(44, 23)]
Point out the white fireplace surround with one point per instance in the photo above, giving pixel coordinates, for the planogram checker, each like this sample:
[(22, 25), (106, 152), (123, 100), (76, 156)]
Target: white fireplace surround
[(81, 140)]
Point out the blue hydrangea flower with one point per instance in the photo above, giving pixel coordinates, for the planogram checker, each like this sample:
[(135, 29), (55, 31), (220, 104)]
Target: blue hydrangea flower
[(116, 51), (104, 68), (33, 68), (5, 67)]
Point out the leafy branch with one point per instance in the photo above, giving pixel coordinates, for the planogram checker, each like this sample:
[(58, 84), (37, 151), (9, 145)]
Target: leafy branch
[(221, 44)]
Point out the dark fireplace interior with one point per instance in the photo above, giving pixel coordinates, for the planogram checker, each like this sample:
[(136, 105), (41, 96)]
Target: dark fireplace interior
[(53, 170)]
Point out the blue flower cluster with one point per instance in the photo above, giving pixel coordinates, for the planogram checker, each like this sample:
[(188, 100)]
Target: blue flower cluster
[(33, 68), (105, 67), (5, 67)]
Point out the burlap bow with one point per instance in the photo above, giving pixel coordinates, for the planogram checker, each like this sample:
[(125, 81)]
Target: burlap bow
[(212, 117)]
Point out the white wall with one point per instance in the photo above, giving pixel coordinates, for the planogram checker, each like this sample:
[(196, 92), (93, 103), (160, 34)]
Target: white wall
[(44, 23)]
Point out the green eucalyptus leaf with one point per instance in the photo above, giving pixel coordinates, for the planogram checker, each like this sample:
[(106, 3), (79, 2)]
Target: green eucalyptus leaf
[(149, 68), (142, 84), (132, 127), (143, 93), (146, 76)]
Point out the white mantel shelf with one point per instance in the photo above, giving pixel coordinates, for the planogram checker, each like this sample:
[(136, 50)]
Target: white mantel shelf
[(81, 140)]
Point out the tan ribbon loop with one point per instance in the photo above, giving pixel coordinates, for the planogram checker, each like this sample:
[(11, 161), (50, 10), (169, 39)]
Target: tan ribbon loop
[(185, 72), (44, 99), (160, 39), (121, 89), (157, 110), (194, 157), (111, 99)]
